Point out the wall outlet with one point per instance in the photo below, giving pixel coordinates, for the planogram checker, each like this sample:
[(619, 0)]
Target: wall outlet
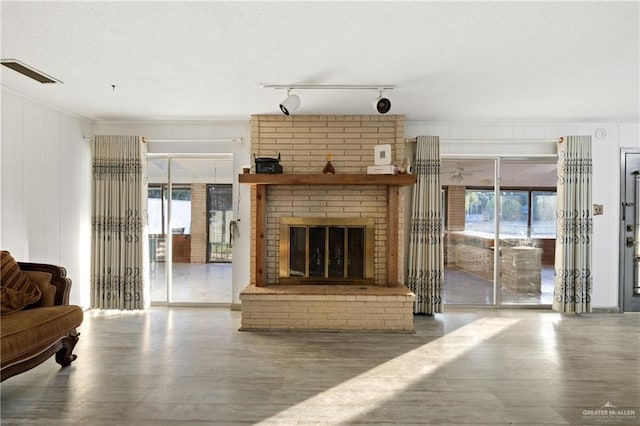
[(598, 209)]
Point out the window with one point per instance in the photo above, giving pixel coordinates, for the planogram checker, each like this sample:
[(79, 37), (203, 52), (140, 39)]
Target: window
[(523, 213), (180, 210), (514, 213), (543, 214), (157, 209), (478, 210)]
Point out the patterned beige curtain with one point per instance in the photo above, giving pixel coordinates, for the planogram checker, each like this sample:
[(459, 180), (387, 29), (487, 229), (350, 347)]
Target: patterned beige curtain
[(118, 223), (426, 260), (574, 226)]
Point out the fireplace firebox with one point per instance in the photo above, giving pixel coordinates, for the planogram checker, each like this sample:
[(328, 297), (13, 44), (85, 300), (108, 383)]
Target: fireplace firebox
[(326, 250)]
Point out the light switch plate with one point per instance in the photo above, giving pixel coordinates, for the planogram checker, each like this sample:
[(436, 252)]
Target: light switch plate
[(382, 154)]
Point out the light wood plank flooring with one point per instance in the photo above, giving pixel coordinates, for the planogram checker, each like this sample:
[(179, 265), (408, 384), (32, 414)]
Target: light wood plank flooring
[(170, 366)]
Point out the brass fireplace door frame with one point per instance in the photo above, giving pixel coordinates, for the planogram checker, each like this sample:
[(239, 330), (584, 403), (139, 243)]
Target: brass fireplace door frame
[(369, 246)]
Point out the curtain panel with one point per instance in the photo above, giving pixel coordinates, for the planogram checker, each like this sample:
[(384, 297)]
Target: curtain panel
[(119, 212), (426, 259), (574, 226)]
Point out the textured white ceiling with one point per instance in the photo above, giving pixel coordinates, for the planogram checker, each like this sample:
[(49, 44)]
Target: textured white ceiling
[(448, 60)]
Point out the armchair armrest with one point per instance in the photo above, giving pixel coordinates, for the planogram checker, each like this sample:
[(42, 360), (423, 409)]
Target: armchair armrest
[(58, 279)]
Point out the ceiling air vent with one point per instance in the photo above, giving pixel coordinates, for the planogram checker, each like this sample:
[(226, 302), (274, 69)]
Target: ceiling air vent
[(29, 71)]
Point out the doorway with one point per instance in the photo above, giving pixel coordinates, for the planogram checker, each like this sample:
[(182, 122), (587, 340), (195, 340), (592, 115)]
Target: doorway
[(499, 239), (630, 230), (189, 247)]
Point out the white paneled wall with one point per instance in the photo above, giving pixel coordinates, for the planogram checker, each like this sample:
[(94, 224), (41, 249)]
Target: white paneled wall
[(45, 181), (606, 170)]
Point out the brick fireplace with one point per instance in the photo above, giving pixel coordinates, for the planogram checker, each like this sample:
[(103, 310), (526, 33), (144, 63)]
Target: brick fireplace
[(378, 301)]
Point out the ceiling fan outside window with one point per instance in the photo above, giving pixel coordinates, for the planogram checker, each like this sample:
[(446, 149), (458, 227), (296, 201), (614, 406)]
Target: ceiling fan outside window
[(457, 173)]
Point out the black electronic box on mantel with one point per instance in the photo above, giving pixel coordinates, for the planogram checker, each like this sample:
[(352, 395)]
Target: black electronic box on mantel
[(268, 165)]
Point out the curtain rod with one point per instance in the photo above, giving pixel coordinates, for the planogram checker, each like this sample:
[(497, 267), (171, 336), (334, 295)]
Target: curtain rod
[(509, 156), (189, 155), (145, 140), (194, 140), (493, 140)]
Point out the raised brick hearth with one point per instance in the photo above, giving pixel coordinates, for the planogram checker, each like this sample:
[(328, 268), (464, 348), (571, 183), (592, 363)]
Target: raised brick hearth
[(303, 191), (327, 307)]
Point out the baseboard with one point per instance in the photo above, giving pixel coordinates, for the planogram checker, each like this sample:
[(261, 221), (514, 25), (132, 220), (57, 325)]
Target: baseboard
[(236, 307), (611, 310)]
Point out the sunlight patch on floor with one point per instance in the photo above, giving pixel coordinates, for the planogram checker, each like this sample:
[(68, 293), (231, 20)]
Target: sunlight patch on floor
[(349, 400), (116, 313)]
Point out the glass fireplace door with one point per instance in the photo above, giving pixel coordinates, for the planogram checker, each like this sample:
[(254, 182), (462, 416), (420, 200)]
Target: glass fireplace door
[(325, 251)]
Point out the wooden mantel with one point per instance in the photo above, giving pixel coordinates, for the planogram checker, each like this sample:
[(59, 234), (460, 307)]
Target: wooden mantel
[(262, 181), (326, 179)]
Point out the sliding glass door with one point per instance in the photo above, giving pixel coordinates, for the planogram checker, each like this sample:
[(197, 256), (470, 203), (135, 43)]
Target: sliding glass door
[(190, 251), (499, 233), (527, 231), (157, 218), (469, 232)]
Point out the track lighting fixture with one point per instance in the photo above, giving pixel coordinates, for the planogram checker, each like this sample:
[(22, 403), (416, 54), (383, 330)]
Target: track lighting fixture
[(382, 105), (291, 104)]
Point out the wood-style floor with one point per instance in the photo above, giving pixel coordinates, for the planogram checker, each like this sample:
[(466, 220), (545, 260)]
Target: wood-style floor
[(198, 283), (171, 366)]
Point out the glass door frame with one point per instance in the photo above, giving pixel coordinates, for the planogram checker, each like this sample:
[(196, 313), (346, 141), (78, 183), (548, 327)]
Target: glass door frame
[(497, 293), (169, 241)]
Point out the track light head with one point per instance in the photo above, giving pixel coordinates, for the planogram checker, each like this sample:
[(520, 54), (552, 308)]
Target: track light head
[(290, 105), (382, 105)]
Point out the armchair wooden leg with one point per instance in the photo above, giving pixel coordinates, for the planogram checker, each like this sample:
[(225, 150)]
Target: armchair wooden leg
[(64, 356)]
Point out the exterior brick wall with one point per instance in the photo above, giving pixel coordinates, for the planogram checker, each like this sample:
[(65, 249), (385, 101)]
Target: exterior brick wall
[(455, 208), (198, 223)]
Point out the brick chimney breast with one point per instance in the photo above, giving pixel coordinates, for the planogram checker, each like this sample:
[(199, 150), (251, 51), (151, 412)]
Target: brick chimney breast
[(303, 143)]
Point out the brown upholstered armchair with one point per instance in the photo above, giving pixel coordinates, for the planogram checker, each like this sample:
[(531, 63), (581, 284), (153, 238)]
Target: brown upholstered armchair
[(31, 335)]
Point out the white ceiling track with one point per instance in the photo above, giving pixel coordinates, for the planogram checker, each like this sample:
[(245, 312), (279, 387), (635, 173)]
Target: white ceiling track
[(292, 101), (311, 86)]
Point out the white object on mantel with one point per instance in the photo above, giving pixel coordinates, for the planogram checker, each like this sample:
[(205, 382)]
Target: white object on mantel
[(382, 154), (388, 169)]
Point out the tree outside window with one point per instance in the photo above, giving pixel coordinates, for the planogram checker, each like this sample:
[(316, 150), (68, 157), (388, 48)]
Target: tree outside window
[(523, 213)]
